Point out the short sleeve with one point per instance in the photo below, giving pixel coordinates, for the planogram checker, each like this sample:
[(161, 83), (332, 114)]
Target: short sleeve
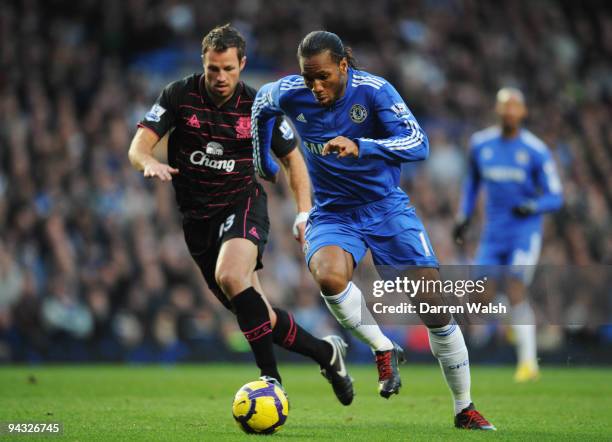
[(283, 137), (162, 115)]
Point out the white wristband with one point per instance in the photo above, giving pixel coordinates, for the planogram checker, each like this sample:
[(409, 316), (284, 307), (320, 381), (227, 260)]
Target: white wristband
[(301, 217)]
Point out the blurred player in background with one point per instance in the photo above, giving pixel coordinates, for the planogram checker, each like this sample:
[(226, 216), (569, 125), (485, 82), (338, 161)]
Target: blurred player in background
[(521, 183), (224, 209), (356, 132)]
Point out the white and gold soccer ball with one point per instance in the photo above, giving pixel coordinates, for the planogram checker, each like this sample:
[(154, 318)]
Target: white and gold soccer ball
[(260, 407)]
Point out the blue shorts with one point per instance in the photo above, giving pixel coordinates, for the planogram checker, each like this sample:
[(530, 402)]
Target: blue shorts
[(515, 255), (389, 227)]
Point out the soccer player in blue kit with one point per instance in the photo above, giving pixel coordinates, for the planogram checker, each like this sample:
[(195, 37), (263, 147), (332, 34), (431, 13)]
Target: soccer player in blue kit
[(521, 183), (356, 132)]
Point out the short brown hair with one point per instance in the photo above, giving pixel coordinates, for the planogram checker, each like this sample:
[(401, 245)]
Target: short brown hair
[(222, 38)]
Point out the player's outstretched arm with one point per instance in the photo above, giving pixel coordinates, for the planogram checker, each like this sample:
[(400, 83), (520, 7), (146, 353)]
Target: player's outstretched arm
[(263, 115), (297, 175), (406, 141), (156, 123), (141, 156)]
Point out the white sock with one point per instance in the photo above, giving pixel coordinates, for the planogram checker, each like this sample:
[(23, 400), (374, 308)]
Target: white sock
[(349, 308), (523, 324), (448, 346)]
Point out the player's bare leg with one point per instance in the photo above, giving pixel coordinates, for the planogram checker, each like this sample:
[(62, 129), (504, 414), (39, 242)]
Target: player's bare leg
[(523, 325), (448, 346), (233, 273), (332, 269)]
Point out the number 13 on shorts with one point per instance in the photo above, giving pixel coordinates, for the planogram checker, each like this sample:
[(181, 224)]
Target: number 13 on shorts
[(225, 226)]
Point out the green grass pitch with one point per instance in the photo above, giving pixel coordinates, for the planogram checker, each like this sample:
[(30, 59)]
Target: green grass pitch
[(193, 402)]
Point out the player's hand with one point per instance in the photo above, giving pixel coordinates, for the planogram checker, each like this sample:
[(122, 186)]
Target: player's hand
[(342, 146), (299, 227), (460, 229), (160, 170), (300, 234), (524, 210)]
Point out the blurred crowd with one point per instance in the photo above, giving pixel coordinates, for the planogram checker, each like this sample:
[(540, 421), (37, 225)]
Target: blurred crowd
[(93, 265)]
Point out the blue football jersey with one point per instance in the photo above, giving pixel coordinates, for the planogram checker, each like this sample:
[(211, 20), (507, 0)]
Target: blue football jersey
[(371, 113), (513, 172)]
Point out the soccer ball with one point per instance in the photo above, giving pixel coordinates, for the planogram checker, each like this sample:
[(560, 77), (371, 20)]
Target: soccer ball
[(260, 407)]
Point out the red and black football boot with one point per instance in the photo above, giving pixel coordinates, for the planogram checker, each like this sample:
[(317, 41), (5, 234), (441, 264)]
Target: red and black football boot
[(387, 362), (471, 419)]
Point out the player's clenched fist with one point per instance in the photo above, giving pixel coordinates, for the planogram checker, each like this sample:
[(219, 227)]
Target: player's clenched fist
[(162, 171), (342, 146)]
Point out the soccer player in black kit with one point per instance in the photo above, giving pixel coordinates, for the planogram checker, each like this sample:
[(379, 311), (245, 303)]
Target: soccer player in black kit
[(225, 219)]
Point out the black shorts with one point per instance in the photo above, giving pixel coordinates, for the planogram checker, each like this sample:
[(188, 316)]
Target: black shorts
[(247, 219)]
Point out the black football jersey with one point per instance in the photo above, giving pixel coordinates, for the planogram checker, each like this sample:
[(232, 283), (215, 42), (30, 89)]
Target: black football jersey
[(210, 146)]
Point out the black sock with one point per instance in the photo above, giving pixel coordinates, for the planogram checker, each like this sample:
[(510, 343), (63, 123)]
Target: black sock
[(254, 321), (288, 334)]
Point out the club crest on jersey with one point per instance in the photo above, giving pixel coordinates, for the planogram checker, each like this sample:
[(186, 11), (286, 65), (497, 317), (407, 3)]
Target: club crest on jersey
[(358, 113), (521, 157), (487, 153), (214, 148), (243, 127)]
